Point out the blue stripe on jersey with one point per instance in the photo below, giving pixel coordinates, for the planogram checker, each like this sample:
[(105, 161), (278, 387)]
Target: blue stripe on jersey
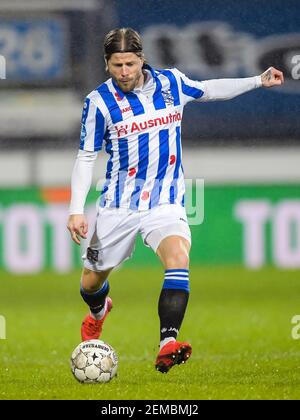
[(132, 98), (174, 186), (173, 86), (162, 167), (85, 113), (109, 150), (182, 201), (99, 130), (158, 99), (135, 103), (143, 143), (191, 91), (123, 171), (111, 103), (183, 198), (151, 69)]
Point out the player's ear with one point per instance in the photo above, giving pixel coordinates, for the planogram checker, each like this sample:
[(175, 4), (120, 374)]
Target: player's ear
[(106, 64)]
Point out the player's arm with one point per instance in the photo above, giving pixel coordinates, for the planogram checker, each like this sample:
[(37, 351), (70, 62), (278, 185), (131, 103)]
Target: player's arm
[(80, 185), (92, 135), (223, 89)]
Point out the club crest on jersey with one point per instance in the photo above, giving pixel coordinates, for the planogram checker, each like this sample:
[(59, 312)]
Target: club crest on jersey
[(168, 97)]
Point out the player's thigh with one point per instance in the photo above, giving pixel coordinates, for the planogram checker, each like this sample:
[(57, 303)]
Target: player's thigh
[(113, 240), (93, 280), (173, 252), (166, 230)]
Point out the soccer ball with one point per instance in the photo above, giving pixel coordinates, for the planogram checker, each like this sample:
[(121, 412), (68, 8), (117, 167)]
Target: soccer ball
[(94, 361)]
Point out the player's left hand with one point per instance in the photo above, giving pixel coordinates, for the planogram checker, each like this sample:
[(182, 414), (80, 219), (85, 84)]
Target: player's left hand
[(272, 77)]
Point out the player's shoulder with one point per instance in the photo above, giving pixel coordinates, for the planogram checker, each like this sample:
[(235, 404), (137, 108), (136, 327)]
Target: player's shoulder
[(99, 89), (95, 98), (106, 86), (181, 77), (173, 70)]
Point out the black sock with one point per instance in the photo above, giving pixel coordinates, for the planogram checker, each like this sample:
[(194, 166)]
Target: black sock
[(96, 300), (173, 302)]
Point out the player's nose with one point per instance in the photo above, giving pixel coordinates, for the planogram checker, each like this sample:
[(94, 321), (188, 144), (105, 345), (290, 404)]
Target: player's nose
[(124, 71)]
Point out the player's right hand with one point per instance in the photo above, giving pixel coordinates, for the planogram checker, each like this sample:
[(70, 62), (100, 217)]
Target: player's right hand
[(78, 227), (272, 77)]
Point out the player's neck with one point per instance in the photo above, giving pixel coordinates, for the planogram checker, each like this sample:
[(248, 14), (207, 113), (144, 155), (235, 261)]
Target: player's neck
[(141, 80)]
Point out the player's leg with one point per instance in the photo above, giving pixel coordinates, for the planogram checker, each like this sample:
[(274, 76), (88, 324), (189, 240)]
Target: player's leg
[(94, 291), (173, 252), (167, 232), (111, 244), (174, 255)]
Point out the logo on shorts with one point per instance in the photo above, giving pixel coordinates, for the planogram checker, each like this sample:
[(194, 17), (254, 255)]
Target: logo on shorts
[(92, 255)]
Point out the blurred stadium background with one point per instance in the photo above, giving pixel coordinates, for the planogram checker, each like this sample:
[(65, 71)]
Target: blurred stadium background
[(247, 150)]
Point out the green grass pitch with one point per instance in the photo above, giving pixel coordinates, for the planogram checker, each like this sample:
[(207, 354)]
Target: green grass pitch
[(238, 322)]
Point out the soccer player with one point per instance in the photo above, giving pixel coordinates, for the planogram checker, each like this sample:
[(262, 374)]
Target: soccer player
[(136, 116)]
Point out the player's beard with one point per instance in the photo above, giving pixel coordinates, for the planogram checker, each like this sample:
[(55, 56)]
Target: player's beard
[(130, 85)]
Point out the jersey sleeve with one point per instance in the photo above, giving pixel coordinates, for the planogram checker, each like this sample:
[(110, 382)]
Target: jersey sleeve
[(81, 180), (93, 127), (190, 90), (215, 89)]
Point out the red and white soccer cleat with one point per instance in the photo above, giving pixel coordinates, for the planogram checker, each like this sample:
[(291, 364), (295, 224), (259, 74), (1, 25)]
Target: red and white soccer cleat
[(91, 328), (173, 353)]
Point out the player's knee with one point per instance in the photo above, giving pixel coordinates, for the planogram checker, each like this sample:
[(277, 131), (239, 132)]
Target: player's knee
[(92, 280), (177, 260)]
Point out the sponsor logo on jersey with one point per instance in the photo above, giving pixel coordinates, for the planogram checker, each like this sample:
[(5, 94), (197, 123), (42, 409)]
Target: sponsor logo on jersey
[(124, 130), (128, 108)]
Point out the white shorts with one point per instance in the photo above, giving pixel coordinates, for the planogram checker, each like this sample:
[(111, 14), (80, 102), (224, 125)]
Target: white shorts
[(116, 231)]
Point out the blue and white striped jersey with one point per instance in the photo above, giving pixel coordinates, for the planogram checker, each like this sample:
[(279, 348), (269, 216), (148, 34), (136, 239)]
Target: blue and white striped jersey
[(141, 132)]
